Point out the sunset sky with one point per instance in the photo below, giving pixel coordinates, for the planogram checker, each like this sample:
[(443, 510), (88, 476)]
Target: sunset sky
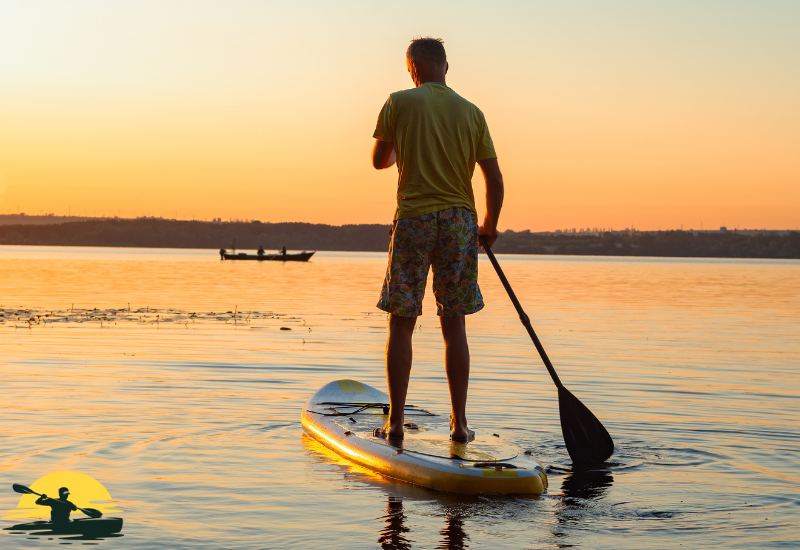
[(603, 113)]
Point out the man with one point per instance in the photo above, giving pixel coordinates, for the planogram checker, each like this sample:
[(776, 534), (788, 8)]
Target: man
[(60, 507), (436, 137)]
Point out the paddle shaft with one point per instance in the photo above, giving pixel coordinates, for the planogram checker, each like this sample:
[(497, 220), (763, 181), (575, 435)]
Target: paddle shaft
[(526, 322)]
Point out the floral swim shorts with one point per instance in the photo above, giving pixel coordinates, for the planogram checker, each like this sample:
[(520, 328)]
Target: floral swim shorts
[(446, 240)]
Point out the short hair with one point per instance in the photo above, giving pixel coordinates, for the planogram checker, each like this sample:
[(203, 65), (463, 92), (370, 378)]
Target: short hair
[(427, 49)]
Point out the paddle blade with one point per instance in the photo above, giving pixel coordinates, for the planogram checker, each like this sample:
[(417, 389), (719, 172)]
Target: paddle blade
[(22, 489), (587, 440), (91, 512)]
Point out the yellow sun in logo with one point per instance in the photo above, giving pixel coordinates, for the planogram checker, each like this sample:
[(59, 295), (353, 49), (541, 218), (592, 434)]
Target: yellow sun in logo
[(85, 492)]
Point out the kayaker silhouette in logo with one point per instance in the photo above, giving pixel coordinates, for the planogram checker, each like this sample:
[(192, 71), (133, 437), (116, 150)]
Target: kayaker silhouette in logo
[(60, 507), (60, 523)]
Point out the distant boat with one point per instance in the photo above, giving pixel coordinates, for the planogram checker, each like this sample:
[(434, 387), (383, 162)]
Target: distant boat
[(299, 257)]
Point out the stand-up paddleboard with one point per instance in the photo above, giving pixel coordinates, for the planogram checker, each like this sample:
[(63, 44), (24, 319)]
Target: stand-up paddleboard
[(343, 414)]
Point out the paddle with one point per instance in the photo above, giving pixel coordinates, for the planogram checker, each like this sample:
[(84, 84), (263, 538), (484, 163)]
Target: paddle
[(588, 442), (91, 512)]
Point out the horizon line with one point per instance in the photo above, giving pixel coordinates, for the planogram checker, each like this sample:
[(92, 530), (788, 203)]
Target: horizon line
[(564, 231)]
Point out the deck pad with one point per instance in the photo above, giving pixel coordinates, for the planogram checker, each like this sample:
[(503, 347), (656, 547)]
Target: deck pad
[(432, 437), (360, 409)]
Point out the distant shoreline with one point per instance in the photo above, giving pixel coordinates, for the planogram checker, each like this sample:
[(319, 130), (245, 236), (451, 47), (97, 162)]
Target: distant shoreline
[(243, 236), (52, 219)]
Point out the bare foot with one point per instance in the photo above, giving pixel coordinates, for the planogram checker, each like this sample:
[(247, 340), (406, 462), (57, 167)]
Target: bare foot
[(387, 433), (469, 436), (459, 432)]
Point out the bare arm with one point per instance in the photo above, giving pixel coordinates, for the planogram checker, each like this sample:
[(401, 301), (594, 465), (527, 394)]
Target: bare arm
[(494, 198), (383, 155)]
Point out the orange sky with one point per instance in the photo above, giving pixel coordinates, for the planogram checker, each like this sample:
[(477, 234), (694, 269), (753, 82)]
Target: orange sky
[(604, 114)]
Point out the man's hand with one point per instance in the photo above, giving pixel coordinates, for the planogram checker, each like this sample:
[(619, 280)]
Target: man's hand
[(490, 233), (383, 155), (494, 199)]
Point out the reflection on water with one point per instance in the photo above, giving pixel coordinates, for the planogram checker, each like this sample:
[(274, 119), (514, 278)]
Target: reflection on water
[(37, 529), (580, 486), (453, 535), (393, 536), (194, 426)]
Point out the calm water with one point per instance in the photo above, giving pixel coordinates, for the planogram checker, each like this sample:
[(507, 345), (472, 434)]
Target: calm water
[(192, 421)]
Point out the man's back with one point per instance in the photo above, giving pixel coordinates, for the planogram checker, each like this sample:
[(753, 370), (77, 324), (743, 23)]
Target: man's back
[(438, 137)]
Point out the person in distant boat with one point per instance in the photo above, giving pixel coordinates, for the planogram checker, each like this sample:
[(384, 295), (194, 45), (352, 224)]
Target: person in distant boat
[(260, 250), (436, 137), (60, 507), (222, 253), (283, 251)]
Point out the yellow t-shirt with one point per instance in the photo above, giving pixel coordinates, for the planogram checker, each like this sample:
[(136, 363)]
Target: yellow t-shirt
[(438, 137)]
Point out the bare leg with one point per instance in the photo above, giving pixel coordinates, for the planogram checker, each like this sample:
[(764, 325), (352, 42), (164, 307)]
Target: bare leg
[(398, 371), (456, 362)]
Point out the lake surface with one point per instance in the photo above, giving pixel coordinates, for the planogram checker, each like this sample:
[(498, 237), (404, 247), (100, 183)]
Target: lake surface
[(166, 376)]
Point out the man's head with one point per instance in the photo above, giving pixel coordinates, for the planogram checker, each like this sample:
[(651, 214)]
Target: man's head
[(63, 493), (427, 60)]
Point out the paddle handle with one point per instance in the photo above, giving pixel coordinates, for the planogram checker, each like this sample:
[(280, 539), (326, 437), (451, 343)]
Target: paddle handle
[(526, 322)]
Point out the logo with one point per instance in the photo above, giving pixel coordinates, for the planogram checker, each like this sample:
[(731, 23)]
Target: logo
[(74, 503)]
